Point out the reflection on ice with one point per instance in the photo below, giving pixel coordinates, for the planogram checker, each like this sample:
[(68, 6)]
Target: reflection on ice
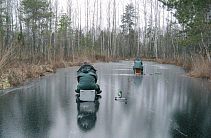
[(124, 69), (160, 66), (87, 117), (159, 105), (123, 74)]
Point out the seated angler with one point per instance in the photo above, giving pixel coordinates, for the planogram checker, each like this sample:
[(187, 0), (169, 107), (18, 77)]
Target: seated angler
[(87, 78), (138, 66)]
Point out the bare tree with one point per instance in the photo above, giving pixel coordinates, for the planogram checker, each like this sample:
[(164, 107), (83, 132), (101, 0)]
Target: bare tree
[(156, 29)]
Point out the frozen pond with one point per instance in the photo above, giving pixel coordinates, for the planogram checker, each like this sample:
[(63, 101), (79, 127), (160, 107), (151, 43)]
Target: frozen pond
[(164, 105)]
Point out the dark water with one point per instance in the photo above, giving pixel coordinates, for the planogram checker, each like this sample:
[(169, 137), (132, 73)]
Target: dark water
[(166, 105)]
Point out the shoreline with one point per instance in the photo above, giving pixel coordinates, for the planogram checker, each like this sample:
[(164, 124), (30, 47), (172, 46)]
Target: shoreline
[(19, 74)]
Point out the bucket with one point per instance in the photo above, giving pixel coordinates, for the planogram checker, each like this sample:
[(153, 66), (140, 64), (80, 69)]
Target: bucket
[(138, 71)]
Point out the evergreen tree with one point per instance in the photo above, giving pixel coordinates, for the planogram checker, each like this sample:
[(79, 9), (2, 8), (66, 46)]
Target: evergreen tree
[(64, 30), (128, 25), (128, 19), (194, 16), (2, 20), (35, 14)]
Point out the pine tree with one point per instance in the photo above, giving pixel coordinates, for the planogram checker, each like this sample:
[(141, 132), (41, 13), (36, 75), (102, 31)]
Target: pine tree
[(35, 14), (2, 21), (64, 23), (194, 16), (128, 24)]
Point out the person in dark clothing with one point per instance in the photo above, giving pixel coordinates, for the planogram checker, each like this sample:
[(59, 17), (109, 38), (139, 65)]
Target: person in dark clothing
[(86, 67), (138, 65), (87, 78)]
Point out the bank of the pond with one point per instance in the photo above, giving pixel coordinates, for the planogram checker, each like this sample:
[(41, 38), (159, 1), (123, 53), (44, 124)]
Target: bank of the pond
[(17, 73), (200, 68)]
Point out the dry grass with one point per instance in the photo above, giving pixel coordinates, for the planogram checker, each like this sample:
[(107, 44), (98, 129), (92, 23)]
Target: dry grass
[(183, 63), (201, 69), (17, 76)]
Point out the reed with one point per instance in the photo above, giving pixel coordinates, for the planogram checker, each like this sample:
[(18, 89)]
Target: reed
[(201, 68)]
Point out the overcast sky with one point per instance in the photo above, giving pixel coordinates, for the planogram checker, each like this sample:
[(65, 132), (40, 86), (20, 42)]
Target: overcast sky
[(80, 5)]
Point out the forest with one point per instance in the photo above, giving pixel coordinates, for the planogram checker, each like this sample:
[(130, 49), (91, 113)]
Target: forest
[(37, 36)]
